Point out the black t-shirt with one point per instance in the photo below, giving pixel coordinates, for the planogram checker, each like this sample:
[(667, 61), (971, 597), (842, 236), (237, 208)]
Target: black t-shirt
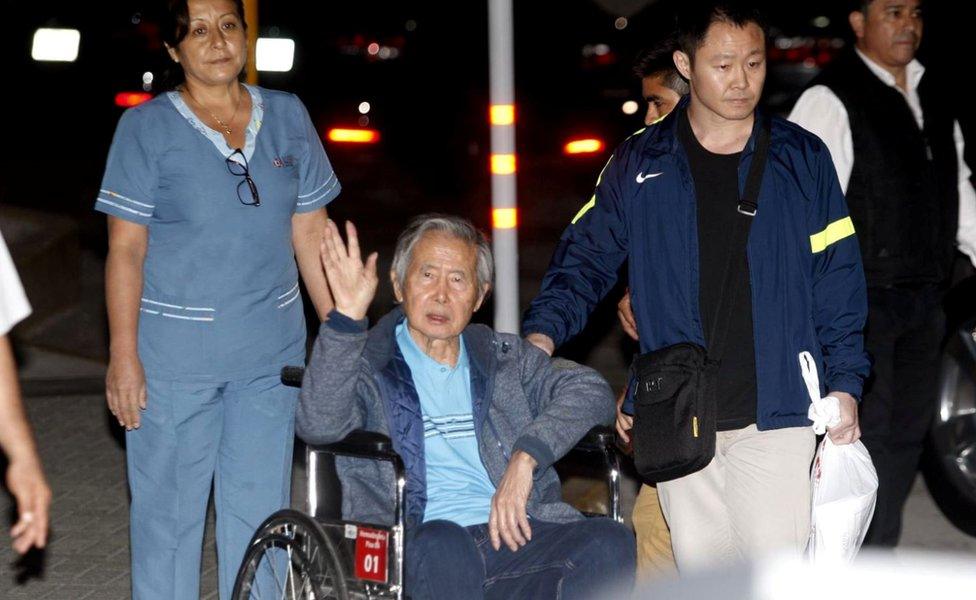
[(716, 178)]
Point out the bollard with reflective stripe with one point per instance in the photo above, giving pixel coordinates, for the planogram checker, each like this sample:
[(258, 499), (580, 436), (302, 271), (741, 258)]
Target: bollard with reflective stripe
[(503, 165)]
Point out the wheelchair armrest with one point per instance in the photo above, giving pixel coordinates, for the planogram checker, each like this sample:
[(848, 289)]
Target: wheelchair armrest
[(292, 376), (358, 443), (597, 439)]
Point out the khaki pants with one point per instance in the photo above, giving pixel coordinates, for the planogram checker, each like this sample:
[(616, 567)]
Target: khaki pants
[(654, 556), (752, 499)]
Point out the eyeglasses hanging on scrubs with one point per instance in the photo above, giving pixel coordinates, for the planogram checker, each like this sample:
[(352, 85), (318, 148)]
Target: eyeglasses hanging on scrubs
[(248, 195)]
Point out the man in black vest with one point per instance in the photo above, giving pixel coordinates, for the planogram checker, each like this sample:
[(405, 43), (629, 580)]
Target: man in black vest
[(896, 147)]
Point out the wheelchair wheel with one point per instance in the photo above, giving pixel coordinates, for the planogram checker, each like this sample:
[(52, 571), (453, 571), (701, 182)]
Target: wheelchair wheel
[(290, 558)]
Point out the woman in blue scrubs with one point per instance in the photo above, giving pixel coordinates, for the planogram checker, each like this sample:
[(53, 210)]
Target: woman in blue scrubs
[(213, 191)]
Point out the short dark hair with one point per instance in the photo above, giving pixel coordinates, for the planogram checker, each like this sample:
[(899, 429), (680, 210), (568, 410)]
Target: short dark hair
[(175, 26), (694, 18), (658, 60)]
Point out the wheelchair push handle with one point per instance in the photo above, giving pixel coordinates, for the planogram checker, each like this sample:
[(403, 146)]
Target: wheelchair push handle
[(597, 439), (360, 443), (292, 376)]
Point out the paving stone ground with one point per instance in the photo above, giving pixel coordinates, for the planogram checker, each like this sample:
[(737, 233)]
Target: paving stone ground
[(88, 554)]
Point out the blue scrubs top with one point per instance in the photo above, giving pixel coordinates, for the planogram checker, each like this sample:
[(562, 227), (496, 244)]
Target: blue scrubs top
[(220, 297)]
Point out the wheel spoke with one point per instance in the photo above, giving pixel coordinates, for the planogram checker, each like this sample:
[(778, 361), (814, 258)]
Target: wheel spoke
[(274, 572), (256, 581), (311, 569), (291, 574), (252, 589)]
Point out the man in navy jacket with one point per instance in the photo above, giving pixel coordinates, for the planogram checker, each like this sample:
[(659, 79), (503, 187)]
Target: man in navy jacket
[(666, 203)]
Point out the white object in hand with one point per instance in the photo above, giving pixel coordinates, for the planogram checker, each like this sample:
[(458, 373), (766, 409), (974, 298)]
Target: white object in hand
[(843, 480), (824, 412)]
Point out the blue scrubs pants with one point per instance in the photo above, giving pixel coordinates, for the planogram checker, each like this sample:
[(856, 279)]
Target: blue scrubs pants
[(237, 435)]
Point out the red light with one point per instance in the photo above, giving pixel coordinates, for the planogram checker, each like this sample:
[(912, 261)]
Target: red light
[(583, 146), (129, 99), (353, 136)]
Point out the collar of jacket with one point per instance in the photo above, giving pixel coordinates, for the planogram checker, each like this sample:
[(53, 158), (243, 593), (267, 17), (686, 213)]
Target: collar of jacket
[(479, 343), (661, 138)]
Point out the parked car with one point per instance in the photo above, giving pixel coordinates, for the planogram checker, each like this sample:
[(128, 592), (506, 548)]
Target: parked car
[(950, 462)]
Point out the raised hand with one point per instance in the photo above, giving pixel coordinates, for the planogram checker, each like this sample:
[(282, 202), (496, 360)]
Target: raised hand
[(352, 283)]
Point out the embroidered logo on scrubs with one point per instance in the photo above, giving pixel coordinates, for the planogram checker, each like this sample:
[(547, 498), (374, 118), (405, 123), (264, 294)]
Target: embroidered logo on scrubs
[(285, 161)]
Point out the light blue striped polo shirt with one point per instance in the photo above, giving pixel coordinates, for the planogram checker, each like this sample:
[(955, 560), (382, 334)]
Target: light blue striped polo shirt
[(458, 487)]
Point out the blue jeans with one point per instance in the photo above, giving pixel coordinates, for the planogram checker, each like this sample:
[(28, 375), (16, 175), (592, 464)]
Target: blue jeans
[(562, 561)]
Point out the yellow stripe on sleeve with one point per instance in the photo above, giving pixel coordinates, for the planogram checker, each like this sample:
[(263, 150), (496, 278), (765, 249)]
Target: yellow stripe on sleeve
[(592, 201), (834, 232), (585, 208)]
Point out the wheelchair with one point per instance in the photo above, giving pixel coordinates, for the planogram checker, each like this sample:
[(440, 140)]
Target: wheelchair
[(317, 555)]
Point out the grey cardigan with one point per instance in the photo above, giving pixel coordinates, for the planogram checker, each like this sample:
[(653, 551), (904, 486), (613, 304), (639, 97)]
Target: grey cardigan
[(522, 400)]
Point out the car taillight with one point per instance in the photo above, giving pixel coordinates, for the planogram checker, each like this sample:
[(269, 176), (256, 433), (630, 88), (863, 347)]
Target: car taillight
[(353, 136), (127, 99), (583, 146)]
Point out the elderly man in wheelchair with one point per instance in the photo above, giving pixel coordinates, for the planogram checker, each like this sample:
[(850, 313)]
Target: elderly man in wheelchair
[(478, 418)]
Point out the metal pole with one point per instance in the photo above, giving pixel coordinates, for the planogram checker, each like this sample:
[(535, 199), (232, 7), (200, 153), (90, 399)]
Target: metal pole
[(251, 16), (503, 201)]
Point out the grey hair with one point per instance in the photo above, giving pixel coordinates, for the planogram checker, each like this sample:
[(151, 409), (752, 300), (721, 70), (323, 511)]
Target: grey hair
[(455, 227)]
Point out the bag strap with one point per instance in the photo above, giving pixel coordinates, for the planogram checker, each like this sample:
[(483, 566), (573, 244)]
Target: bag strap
[(747, 208)]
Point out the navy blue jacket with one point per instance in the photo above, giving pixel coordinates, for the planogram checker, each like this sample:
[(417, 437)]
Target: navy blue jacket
[(808, 290)]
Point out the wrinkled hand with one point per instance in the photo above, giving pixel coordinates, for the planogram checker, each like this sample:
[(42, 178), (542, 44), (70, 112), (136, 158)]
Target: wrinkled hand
[(25, 480), (847, 431), (125, 389), (625, 422), (352, 283), (508, 521), (542, 341), (625, 313)]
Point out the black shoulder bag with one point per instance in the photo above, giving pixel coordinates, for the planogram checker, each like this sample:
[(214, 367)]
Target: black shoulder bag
[(674, 401)]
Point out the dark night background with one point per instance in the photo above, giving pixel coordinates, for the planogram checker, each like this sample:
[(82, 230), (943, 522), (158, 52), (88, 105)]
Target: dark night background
[(429, 103)]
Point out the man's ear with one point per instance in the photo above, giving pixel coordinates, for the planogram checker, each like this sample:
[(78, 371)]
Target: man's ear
[(173, 54), (856, 19), (481, 298), (683, 62), (397, 292)]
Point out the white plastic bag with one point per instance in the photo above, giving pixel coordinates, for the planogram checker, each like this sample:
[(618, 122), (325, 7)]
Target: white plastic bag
[(844, 482)]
